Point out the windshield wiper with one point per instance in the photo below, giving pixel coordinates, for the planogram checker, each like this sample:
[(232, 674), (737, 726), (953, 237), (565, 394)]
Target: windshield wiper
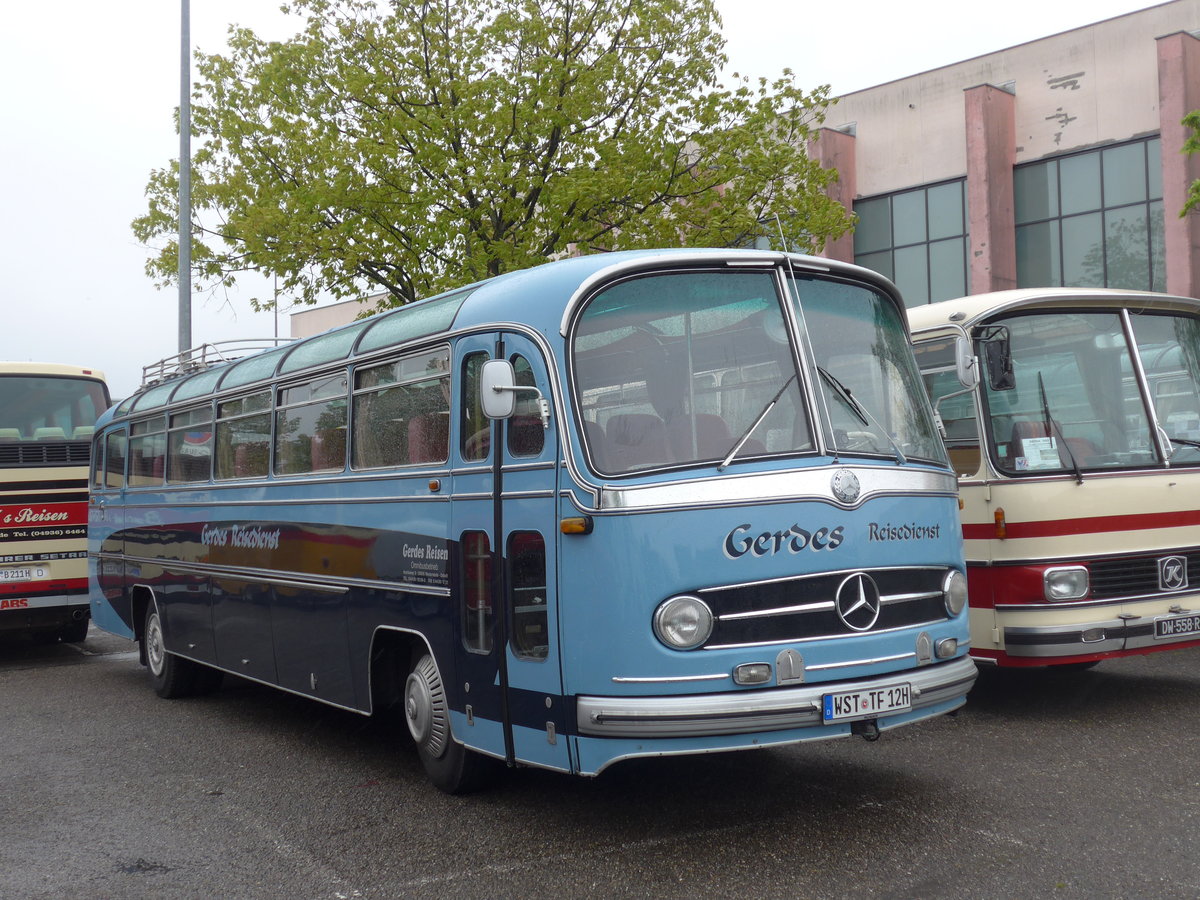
[(1052, 426), (861, 412), (733, 451), (1185, 441)]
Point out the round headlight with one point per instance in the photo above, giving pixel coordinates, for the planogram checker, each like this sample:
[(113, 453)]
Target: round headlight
[(683, 622), (954, 591)]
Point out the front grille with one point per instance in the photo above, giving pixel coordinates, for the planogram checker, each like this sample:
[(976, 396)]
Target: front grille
[(1135, 576), (803, 608), (45, 453)]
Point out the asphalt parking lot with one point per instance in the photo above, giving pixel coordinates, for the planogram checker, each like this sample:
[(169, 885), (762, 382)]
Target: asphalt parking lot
[(1046, 785)]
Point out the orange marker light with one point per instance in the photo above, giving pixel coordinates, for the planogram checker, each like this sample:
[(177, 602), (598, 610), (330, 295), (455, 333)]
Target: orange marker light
[(576, 525), (1001, 524)]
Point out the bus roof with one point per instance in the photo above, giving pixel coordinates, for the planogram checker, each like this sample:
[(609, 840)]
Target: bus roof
[(544, 294), (970, 311), (38, 368)]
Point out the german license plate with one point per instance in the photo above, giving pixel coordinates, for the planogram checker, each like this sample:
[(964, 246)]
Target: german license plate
[(24, 573), (1176, 626), (867, 703)]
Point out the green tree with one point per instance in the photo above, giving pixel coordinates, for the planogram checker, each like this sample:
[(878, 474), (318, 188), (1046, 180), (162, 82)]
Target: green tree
[(1192, 145), (421, 145)]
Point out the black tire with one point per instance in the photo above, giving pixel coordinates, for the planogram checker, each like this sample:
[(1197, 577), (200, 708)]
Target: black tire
[(450, 766), (171, 675), (76, 632)]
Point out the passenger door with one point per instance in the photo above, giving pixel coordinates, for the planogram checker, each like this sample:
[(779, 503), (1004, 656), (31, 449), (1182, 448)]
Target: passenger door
[(106, 540), (505, 522)]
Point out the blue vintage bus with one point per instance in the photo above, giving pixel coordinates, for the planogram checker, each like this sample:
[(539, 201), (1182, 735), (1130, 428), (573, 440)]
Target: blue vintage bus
[(624, 505)]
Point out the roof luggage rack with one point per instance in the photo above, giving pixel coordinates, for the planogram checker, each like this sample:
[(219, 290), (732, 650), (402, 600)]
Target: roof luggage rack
[(205, 356)]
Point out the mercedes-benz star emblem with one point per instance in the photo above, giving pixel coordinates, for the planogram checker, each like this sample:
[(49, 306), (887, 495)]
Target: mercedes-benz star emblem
[(1172, 573), (845, 485), (857, 602)]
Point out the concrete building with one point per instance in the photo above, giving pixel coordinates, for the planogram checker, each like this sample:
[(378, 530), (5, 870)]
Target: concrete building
[(1055, 162)]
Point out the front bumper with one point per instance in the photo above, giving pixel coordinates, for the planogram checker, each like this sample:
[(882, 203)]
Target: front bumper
[(1109, 629), (780, 709)]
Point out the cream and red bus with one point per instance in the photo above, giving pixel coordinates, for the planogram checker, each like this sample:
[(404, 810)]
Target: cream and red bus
[(1072, 418), (47, 415)]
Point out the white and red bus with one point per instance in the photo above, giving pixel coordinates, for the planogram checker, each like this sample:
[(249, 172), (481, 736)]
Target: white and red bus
[(1072, 418), (47, 415)]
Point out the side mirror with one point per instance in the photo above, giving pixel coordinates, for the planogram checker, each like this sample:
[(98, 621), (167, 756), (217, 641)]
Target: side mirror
[(497, 381), (498, 387), (965, 364), (997, 359)]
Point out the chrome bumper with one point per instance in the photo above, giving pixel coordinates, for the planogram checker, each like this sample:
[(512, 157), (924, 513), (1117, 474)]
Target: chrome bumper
[(780, 709)]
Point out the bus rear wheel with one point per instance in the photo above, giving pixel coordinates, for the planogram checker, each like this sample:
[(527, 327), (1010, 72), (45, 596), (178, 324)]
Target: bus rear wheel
[(450, 766), (171, 675), (76, 632)]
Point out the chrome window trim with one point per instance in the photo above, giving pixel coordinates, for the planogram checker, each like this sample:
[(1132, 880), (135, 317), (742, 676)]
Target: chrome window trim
[(795, 485), (325, 583)]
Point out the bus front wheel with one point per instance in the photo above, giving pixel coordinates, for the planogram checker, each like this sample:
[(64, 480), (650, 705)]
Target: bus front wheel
[(450, 766)]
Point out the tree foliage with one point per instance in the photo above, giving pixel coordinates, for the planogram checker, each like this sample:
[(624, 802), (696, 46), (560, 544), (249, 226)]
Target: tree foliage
[(413, 146), (1192, 145)]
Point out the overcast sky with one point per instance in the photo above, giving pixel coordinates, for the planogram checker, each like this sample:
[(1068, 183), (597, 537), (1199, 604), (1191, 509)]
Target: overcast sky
[(88, 89)]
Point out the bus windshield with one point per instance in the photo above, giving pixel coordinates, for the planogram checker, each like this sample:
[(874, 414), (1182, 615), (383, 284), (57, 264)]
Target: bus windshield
[(1075, 401), (869, 384), (680, 368), (49, 408)]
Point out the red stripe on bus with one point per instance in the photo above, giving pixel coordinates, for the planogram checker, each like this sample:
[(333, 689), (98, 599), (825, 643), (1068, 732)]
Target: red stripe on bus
[(1089, 525)]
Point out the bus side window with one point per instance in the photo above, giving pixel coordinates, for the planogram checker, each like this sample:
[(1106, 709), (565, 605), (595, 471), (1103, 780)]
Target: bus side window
[(148, 451), (526, 436), (189, 446), (475, 430), (114, 459), (527, 594), (97, 479), (244, 437), (310, 426), (476, 561)]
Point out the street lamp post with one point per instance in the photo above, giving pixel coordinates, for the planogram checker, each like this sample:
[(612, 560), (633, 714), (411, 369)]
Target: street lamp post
[(185, 180)]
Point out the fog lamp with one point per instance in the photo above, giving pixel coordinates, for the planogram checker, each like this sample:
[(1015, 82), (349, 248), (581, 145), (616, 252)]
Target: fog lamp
[(683, 622), (946, 648), (1067, 583), (752, 673)]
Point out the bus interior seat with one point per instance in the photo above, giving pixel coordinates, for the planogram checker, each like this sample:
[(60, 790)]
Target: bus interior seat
[(593, 433), (10, 434), (711, 432), (49, 433), (83, 432), (635, 441), (428, 438)]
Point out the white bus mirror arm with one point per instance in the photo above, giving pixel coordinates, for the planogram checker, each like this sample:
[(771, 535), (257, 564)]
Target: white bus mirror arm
[(543, 404)]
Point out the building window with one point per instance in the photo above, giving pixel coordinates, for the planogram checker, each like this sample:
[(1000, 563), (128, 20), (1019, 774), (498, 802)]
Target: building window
[(917, 238), (1092, 219)]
